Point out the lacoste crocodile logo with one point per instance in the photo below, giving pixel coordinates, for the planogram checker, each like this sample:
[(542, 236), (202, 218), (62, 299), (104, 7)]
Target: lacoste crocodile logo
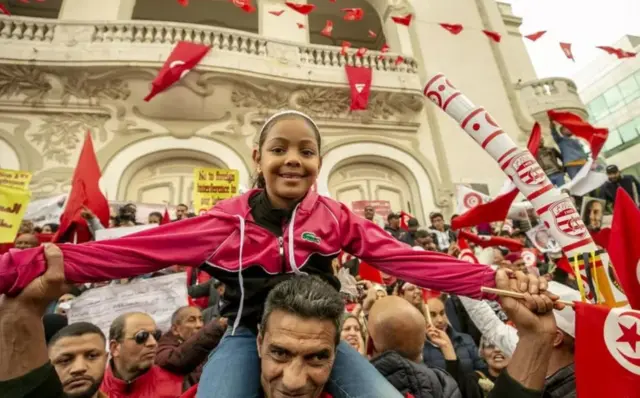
[(310, 237)]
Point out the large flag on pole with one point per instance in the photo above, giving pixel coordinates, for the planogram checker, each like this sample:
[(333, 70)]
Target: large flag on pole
[(85, 192)]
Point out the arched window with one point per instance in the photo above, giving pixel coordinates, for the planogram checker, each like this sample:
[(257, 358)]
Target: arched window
[(220, 13), (355, 32), (45, 9)]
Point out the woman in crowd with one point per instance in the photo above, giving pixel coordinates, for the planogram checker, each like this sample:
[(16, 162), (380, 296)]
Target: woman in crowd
[(254, 241), (352, 333)]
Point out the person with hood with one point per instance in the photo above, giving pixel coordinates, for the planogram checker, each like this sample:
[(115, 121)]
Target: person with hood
[(254, 241)]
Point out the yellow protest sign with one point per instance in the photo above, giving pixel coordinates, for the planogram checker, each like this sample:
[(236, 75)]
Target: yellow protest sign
[(212, 185), (13, 204), (16, 179)]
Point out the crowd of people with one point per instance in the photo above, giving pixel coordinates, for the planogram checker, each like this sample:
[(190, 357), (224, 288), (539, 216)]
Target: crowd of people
[(305, 322)]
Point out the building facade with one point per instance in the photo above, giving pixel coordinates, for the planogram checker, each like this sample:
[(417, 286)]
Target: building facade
[(611, 89), (71, 66)]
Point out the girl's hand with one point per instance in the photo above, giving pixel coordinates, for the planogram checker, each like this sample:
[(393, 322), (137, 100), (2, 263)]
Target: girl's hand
[(442, 340)]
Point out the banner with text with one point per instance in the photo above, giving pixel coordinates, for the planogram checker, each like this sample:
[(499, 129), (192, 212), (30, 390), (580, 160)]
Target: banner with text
[(16, 179), (14, 198), (212, 185), (159, 297)]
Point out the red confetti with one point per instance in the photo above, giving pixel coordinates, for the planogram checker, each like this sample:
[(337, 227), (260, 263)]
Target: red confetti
[(535, 36), (372, 34), (383, 50), (183, 3), (406, 20), (453, 28), (345, 47), (566, 49), (300, 25), (399, 60), (303, 9), (618, 52), (361, 52), (495, 36), (353, 14), (248, 8), (4, 10), (276, 13), (328, 29)]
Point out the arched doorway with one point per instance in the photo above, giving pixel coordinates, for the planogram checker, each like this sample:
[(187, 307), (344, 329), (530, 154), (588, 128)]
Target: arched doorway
[(368, 170), (164, 177), (362, 179)]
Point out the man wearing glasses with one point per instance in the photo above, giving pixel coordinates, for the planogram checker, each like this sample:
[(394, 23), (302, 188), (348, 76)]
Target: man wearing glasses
[(133, 340)]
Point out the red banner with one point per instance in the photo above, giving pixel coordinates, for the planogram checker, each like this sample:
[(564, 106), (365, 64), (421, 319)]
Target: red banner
[(360, 82)]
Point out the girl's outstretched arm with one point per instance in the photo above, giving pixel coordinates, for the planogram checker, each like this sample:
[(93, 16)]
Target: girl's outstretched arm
[(367, 241), (189, 242)]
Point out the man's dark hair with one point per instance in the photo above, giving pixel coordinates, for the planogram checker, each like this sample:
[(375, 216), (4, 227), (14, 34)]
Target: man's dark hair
[(308, 297), (421, 233), (116, 330), (75, 330), (182, 205), (156, 214)]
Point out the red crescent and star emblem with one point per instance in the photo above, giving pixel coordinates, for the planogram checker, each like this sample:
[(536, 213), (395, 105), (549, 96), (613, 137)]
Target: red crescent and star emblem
[(622, 338)]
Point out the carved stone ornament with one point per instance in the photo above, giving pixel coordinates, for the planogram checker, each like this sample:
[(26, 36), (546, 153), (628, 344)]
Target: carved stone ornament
[(60, 134), (326, 102), (37, 84)]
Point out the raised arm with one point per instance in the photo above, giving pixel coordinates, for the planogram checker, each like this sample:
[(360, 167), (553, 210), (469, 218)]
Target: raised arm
[(431, 270), (189, 242)]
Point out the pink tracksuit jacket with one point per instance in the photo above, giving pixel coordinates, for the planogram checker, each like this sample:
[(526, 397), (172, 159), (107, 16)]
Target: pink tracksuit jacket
[(226, 237)]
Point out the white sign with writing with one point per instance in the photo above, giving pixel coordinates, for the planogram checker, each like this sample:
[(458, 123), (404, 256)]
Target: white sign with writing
[(45, 211), (113, 233), (159, 297)]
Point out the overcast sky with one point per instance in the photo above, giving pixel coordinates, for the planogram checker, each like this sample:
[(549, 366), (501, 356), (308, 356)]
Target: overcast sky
[(585, 23)]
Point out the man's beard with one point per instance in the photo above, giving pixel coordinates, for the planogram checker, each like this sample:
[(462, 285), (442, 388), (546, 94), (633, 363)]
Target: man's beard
[(88, 393)]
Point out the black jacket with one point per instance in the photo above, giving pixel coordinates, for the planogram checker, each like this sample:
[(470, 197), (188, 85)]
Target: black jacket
[(628, 183), (257, 283), (415, 378), (561, 384)]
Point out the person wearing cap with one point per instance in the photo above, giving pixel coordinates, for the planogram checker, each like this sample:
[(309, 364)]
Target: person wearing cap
[(560, 378), (409, 237), (627, 182), (393, 225), (573, 155)]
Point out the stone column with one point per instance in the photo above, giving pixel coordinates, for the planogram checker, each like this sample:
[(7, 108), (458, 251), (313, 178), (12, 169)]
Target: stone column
[(284, 26), (97, 10)]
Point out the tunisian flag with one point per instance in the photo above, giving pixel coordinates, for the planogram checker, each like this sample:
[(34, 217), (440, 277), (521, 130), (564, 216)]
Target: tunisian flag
[(85, 192), (607, 357), (498, 208), (624, 248), (184, 57), (360, 79)]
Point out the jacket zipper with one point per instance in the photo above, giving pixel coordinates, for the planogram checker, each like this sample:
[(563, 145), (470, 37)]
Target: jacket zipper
[(281, 250)]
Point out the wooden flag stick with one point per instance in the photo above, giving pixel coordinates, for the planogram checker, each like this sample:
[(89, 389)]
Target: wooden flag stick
[(517, 295)]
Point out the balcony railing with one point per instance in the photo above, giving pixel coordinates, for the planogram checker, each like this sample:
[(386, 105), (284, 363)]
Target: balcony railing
[(148, 43), (539, 96)]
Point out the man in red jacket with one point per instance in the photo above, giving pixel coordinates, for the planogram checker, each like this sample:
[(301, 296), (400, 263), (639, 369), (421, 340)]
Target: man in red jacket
[(131, 373)]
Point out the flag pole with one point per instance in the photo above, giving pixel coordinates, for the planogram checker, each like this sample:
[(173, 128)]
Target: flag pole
[(517, 295)]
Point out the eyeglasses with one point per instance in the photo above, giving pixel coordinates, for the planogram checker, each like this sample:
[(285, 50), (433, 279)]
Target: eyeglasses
[(142, 336)]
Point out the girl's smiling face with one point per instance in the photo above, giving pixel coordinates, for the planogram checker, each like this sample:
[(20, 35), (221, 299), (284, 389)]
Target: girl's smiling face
[(289, 159)]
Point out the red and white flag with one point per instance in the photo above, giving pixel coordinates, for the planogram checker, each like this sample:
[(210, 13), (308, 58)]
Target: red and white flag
[(404, 220), (184, 57), (607, 355), (360, 79), (491, 241), (591, 176), (166, 219), (466, 253), (498, 208), (566, 49), (624, 247)]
